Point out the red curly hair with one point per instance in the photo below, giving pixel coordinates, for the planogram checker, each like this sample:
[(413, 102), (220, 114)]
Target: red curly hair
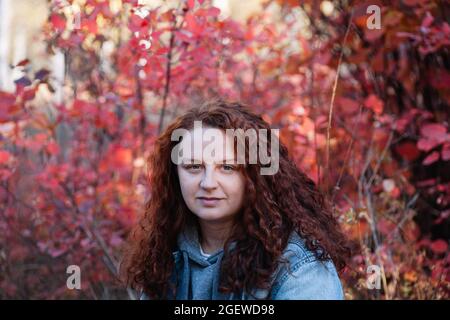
[(274, 206)]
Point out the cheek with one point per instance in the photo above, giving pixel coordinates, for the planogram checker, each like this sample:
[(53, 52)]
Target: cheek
[(187, 183), (236, 188)]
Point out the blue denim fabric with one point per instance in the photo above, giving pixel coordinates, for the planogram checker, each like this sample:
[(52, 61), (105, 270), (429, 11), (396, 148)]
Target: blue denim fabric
[(299, 275)]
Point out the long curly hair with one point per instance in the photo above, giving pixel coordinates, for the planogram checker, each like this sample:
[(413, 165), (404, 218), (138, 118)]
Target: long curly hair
[(274, 206)]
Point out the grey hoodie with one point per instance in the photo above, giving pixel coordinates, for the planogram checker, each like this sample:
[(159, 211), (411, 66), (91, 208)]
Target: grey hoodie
[(301, 277)]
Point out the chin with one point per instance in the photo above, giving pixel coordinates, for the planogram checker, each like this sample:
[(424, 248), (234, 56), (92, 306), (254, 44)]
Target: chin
[(211, 214)]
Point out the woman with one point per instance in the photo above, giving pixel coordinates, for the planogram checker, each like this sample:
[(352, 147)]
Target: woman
[(215, 227)]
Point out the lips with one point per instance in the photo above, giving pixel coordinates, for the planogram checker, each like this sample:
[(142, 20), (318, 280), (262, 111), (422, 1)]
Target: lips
[(209, 201), (209, 198)]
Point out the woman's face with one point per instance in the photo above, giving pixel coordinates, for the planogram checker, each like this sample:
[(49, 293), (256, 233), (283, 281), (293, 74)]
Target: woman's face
[(212, 189)]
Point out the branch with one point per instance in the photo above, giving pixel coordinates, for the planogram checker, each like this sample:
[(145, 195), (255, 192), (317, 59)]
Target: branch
[(333, 95), (168, 72)]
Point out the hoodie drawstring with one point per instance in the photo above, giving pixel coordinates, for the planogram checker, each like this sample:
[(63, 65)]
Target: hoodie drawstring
[(186, 279)]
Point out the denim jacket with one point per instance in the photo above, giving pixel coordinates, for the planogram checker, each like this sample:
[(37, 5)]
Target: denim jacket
[(303, 277)]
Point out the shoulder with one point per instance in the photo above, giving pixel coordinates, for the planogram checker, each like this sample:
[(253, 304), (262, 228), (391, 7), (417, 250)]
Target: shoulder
[(143, 296), (300, 275), (296, 250)]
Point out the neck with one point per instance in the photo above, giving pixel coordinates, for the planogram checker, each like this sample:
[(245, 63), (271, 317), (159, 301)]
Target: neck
[(214, 234)]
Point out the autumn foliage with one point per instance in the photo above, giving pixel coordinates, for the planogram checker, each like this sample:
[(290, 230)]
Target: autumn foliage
[(363, 111)]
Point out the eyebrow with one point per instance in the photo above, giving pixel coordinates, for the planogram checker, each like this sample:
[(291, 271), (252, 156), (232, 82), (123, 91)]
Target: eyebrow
[(199, 161), (228, 160)]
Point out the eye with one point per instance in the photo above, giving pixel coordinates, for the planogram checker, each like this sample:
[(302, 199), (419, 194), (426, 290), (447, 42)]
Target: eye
[(193, 167), (228, 167)]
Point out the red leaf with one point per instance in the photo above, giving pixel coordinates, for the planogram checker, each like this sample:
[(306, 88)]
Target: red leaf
[(4, 156), (427, 144), (439, 246), (408, 151), (385, 226), (427, 21), (446, 152), (434, 131), (411, 231), (135, 23), (122, 157), (23, 63), (373, 34), (431, 158), (56, 252), (395, 193), (210, 12), (440, 79), (426, 183), (29, 94), (213, 12), (442, 217), (58, 22), (191, 4), (124, 87), (7, 100), (411, 2), (192, 24), (347, 105), (90, 25), (374, 103), (405, 120), (18, 253), (53, 148)]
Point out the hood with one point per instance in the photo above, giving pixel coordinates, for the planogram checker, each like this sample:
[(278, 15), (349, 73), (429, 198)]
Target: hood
[(187, 258), (188, 243)]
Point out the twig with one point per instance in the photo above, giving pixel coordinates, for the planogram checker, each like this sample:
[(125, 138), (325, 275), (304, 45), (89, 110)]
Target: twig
[(347, 156), (380, 159), (168, 72), (333, 95)]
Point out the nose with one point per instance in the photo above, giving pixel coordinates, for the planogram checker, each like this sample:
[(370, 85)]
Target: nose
[(208, 181)]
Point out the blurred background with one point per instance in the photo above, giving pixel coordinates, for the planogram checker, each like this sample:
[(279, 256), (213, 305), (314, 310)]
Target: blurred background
[(358, 89)]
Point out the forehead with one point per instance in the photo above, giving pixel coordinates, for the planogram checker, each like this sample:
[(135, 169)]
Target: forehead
[(209, 144)]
